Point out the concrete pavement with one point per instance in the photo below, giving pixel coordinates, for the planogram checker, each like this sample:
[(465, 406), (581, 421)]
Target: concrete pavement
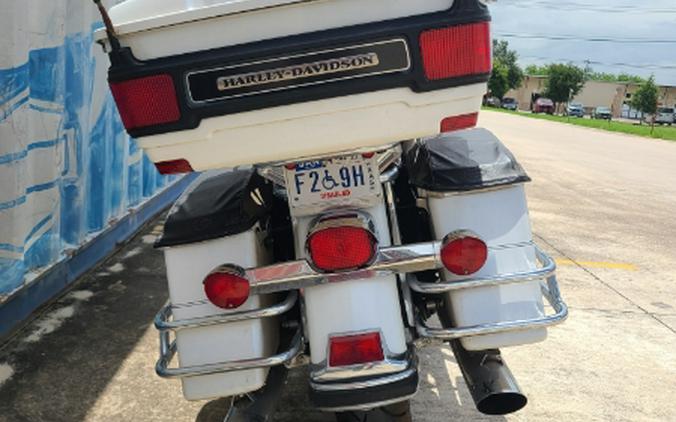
[(601, 203)]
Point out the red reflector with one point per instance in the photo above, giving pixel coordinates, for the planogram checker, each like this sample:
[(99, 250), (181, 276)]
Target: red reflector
[(456, 51), (226, 287), (174, 167), (146, 101), (464, 255), (464, 121), (351, 350), (341, 248)]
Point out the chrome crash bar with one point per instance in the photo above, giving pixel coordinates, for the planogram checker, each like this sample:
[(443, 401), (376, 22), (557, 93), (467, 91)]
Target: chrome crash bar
[(407, 259), (550, 289), (165, 324)]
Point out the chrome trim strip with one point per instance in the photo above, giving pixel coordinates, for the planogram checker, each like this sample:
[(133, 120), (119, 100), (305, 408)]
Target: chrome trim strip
[(163, 320), (433, 194), (357, 385), (168, 351), (387, 366), (186, 77)]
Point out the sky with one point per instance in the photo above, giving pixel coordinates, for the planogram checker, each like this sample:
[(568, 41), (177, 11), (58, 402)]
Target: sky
[(624, 22)]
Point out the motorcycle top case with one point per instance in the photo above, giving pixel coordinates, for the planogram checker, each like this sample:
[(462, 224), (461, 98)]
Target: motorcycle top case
[(220, 83)]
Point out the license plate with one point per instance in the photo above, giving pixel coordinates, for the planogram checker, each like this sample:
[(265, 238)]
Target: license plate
[(314, 186)]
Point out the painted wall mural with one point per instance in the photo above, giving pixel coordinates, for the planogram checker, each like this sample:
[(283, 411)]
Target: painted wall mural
[(67, 168)]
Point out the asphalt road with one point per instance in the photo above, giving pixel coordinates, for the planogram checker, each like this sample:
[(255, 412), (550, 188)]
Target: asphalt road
[(602, 203)]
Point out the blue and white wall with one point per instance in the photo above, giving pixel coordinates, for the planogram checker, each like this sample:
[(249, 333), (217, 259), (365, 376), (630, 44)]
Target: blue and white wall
[(67, 168)]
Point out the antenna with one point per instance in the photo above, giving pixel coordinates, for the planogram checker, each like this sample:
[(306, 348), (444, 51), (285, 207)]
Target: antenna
[(110, 29)]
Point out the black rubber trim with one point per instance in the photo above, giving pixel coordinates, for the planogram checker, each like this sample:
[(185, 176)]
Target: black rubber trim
[(364, 396), (125, 66)]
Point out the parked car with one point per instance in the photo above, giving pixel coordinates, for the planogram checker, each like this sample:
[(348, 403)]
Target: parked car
[(543, 105), (575, 109), (510, 104), (602, 113), (664, 116), (493, 102)]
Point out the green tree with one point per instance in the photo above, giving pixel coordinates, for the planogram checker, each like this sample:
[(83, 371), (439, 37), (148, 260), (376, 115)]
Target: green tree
[(645, 98), (509, 59), (564, 82), (535, 70), (611, 77), (499, 83)]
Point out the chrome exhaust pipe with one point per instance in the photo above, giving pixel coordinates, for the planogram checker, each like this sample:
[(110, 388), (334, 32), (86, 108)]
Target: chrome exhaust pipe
[(491, 383)]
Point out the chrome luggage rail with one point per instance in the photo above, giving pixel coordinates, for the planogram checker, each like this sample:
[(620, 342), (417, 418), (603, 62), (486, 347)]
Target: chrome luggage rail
[(550, 289), (165, 325)]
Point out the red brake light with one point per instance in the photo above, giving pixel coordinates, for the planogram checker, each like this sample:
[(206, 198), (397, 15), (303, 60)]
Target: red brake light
[(174, 167), (355, 349), (464, 121), (146, 101), (464, 255), (456, 51), (226, 287), (341, 248)]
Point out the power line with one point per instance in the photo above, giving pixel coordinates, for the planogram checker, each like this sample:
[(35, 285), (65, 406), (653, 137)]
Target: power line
[(575, 7), (585, 39), (592, 62)]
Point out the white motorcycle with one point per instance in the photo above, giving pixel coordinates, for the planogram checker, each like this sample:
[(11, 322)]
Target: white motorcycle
[(331, 242)]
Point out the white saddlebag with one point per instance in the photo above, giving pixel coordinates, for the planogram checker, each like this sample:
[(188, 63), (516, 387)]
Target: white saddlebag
[(218, 83), (187, 266), (472, 182)]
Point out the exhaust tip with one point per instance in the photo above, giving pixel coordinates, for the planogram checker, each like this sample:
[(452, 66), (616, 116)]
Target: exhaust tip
[(502, 403)]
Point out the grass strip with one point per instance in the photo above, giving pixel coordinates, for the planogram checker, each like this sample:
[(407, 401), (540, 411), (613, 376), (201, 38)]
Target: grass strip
[(661, 132)]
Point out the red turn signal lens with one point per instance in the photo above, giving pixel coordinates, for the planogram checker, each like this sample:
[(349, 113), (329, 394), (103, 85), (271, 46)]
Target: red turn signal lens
[(355, 349), (456, 51), (174, 167), (226, 287), (146, 101), (464, 121), (341, 248), (464, 255)]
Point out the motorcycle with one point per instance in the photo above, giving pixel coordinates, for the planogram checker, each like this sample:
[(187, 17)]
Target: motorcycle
[(361, 216)]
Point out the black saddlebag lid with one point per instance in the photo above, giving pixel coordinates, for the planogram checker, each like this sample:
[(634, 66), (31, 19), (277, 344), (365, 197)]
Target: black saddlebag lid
[(217, 204), (462, 161)]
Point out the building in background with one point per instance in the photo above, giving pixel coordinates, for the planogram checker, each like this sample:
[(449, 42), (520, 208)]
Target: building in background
[(72, 183), (616, 95)]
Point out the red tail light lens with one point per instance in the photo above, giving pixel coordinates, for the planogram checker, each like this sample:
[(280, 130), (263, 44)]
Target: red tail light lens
[(341, 248), (226, 287), (464, 121), (146, 101), (174, 167), (463, 255), (456, 51), (355, 349)]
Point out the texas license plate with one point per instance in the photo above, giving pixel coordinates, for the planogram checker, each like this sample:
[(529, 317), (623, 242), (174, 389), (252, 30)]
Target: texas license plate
[(314, 186)]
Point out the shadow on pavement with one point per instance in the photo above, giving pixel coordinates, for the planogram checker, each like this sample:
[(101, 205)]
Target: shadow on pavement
[(64, 361), (90, 357)]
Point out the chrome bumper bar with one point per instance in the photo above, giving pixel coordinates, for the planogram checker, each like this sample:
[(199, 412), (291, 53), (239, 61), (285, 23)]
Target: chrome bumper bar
[(299, 274), (165, 325)]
